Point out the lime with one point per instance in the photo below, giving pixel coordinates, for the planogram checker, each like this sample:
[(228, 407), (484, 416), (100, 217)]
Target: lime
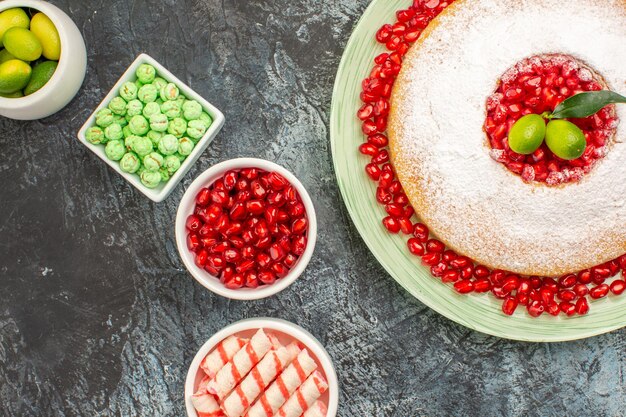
[(47, 33), (42, 73), (17, 94), (14, 75), (22, 44), (565, 139), (13, 18), (5, 56), (527, 134)]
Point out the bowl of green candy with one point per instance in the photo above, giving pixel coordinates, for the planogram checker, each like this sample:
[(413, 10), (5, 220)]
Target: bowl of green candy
[(151, 128)]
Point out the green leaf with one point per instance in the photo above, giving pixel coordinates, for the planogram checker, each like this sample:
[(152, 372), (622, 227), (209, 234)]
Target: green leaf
[(586, 104)]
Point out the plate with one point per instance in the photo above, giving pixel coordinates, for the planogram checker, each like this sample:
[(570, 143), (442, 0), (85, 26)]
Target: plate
[(478, 312)]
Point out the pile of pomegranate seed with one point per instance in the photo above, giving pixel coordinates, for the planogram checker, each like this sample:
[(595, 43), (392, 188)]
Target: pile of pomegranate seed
[(248, 228), (566, 295), (536, 85)]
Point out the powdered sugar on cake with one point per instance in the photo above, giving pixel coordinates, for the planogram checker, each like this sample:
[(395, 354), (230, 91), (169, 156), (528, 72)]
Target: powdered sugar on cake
[(439, 148)]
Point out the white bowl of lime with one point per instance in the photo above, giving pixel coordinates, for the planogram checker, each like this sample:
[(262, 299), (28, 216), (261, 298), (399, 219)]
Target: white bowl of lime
[(27, 64)]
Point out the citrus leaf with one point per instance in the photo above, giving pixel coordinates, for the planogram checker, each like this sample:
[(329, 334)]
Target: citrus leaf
[(586, 104)]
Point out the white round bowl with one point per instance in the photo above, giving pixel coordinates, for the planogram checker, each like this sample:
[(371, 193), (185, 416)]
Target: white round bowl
[(67, 78), (284, 330), (186, 208)]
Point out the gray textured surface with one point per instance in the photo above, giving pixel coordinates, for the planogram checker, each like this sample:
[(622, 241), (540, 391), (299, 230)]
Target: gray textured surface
[(97, 314)]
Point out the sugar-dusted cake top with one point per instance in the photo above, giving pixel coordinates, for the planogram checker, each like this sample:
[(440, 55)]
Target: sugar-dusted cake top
[(440, 151)]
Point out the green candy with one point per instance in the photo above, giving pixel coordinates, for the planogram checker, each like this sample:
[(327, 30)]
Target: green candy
[(120, 120), (208, 120), (185, 146), (138, 84), (165, 175), (155, 137), (94, 135), (168, 145), (159, 83), (177, 127), (139, 125), (196, 129), (142, 146), (169, 92), (104, 118), (153, 161), (134, 108), (180, 157), (113, 132), (171, 109), (171, 163), (159, 122), (128, 91), (115, 150), (148, 93), (129, 140), (126, 131), (145, 73), (150, 179), (151, 109), (118, 106), (130, 162), (192, 110)]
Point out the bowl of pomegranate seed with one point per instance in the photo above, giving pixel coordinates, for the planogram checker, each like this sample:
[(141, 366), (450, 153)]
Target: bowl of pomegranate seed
[(246, 228), (262, 367)]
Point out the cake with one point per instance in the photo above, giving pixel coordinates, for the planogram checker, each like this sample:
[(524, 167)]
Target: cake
[(449, 166)]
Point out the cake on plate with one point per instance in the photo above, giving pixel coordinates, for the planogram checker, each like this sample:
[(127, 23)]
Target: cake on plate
[(455, 99)]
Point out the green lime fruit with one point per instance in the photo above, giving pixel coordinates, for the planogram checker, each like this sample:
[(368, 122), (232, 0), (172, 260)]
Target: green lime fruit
[(11, 18), (5, 56), (14, 75), (47, 33), (22, 44), (565, 139), (527, 134), (17, 94), (42, 73)]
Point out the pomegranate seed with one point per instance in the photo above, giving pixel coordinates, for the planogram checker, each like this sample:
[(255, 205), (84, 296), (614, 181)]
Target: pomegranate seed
[(227, 274), (509, 306), (567, 281), (415, 246), (431, 259), (276, 181), (204, 197), (450, 276), (535, 308), (295, 209), (567, 308), (433, 245), (391, 224), (482, 285), (298, 245), (193, 242), (201, 257), (267, 277), (618, 287), (510, 284), (193, 223), (235, 282), (600, 291), (373, 171), (420, 231), (582, 306), (230, 180), (581, 290), (290, 260), (584, 277), (299, 226), (481, 272), (438, 270), (553, 309), (280, 270), (566, 295), (464, 286), (251, 280)]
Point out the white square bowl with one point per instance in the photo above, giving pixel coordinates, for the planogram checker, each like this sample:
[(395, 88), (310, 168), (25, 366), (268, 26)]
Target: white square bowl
[(164, 189)]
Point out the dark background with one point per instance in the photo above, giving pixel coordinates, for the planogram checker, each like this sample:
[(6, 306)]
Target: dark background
[(98, 316)]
